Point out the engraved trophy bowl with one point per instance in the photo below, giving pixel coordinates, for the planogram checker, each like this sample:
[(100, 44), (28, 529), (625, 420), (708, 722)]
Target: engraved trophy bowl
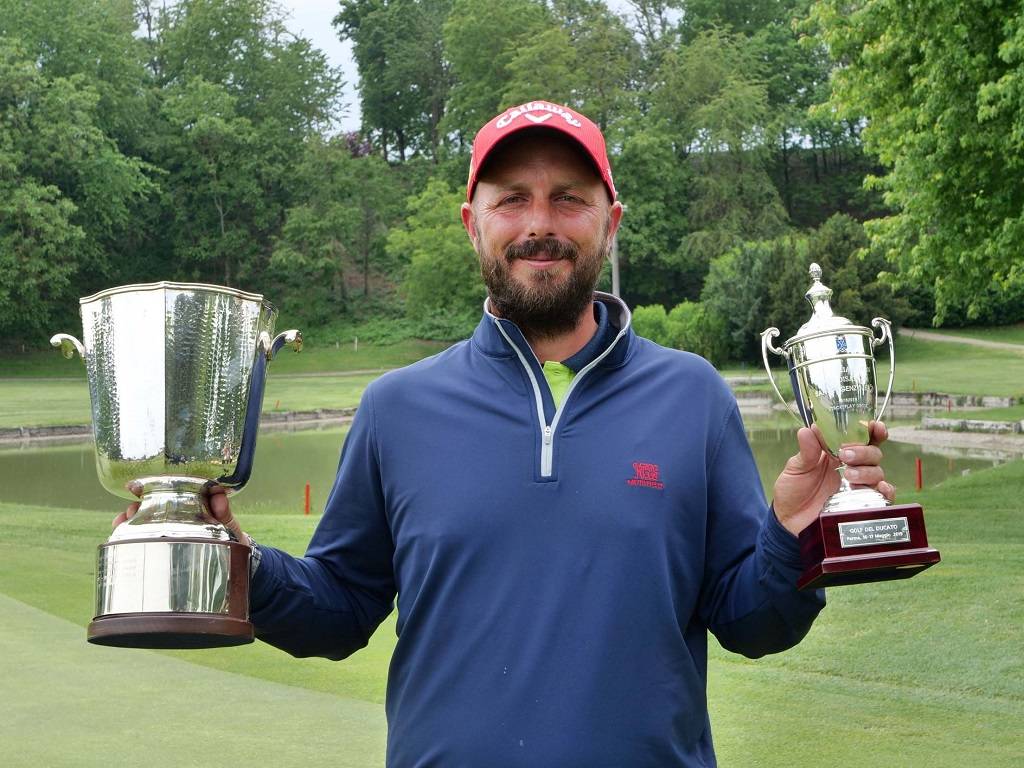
[(832, 373), (176, 374)]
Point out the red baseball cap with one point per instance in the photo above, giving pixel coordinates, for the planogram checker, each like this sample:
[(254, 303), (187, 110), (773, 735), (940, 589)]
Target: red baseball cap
[(540, 114)]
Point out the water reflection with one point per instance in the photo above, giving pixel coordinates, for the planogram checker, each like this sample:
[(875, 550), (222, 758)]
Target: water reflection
[(65, 475), (773, 440)]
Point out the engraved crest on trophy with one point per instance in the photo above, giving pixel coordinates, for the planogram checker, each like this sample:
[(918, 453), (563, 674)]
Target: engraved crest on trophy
[(176, 375), (858, 536)]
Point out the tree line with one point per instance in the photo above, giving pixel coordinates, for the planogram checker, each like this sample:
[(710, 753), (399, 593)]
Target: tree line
[(197, 140)]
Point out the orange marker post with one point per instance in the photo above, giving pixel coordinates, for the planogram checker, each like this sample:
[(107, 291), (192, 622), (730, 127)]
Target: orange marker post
[(307, 499), (918, 480)]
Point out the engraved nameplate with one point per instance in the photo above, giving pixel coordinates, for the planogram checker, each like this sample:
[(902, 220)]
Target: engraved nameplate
[(867, 533)]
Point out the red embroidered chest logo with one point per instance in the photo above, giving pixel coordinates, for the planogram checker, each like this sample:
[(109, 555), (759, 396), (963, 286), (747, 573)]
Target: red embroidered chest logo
[(646, 475)]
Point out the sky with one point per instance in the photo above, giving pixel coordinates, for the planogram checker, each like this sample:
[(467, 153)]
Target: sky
[(312, 20)]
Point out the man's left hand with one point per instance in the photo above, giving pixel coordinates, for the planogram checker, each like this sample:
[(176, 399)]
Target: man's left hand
[(810, 477)]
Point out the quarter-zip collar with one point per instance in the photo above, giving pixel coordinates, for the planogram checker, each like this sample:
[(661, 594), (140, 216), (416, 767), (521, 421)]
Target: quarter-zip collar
[(491, 342), (498, 337), (599, 342)]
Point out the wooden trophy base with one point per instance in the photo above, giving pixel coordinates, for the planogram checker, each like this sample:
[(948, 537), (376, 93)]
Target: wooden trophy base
[(169, 630), (145, 585), (864, 545)]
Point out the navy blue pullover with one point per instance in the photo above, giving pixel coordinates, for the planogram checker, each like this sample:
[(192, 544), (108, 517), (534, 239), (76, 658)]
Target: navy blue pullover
[(556, 571)]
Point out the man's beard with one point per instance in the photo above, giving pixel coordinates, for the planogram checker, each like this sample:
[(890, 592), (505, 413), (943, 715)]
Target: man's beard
[(546, 304)]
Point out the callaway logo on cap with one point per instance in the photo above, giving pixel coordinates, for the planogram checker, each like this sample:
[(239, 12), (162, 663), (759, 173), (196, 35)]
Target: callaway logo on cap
[(541, 114)]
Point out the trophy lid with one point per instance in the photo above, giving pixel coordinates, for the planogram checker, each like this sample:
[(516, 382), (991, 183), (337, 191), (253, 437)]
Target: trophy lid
[(822, 317)]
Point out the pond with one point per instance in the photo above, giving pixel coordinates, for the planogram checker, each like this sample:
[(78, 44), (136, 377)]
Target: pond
[(65, 475)]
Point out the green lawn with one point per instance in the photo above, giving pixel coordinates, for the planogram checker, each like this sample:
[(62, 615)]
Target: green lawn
[(928, 366), (1014, 334), (924, 366), (25, 403), (368, 357), (41, 388), (1012, 413), (44, 402), (331, 378), (314, 358), (306, 393), (921, 672)]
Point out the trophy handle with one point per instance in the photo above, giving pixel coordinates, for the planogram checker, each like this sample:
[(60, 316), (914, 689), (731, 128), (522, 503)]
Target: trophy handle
[(767, 336), (886, 328), (270, 348), (68, 345)]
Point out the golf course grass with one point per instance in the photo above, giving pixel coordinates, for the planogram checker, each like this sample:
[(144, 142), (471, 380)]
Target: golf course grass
[(1012, 334), (1009, 413), (335, 378), (926, 672)]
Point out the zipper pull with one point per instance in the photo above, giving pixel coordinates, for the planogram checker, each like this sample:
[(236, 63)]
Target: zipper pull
[(547, 435)]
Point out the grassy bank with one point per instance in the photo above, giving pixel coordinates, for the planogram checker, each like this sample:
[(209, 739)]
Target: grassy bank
[(40, 389), (1011, 413), (329, 377), (920, 672), (66, 401), (1012, 334), (924, 366), (314, 358)]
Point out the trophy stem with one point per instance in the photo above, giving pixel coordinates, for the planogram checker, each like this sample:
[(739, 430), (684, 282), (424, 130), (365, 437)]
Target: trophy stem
[(172, 512), (844, 484)]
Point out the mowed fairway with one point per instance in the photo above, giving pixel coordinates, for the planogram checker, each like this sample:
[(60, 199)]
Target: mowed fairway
[(926, 672)]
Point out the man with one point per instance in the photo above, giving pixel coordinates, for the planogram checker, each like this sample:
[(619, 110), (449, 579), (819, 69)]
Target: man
[(563, 508)]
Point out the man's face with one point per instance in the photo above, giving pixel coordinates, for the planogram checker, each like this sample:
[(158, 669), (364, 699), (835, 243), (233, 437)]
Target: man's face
[(540, 222)]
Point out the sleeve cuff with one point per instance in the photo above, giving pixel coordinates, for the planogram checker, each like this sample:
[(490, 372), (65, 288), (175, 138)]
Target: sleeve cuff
[(262, 579), (779, 544)]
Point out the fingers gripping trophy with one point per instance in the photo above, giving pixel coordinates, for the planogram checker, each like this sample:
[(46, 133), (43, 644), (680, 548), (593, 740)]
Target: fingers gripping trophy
[(176, 374), (858, 536)]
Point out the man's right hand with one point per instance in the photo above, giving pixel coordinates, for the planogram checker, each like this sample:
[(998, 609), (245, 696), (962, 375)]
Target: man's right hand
[(215, 499)]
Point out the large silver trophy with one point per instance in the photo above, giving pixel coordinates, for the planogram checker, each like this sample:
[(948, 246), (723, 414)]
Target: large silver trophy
[(859, 536), (176, 374)]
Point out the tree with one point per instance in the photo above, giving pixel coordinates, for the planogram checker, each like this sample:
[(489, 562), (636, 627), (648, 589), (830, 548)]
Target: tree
[(403, 74), (443, 288), (99, 47), (655, 185), (760, 284), (737, 292), (607, 58), (940, 88), (66, 192), (212, 151), (481, 38), (241, 97), (333, 240), (712, 100)]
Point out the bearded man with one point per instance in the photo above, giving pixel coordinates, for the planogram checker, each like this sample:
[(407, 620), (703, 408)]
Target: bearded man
[(563, 509)]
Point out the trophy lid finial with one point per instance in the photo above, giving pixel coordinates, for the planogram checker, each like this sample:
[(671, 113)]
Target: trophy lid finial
[(819, 294), (822, 318)]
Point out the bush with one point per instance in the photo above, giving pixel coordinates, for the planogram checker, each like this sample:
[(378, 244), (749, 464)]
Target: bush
[(761, 284), (651, 322), (688, 326), (443, 277)]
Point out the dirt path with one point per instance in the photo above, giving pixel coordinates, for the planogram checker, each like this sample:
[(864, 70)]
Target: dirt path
[(946, 338)]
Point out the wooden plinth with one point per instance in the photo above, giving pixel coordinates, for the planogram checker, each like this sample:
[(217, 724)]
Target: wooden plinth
[(169, 630), (830, 560), (180, 629)]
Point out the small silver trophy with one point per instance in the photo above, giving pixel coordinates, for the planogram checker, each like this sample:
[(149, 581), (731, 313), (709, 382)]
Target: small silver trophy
[(859, 536), (176, 375)]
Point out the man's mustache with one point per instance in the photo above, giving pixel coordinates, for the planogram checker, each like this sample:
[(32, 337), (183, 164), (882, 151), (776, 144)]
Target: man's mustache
[(551, 246)]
